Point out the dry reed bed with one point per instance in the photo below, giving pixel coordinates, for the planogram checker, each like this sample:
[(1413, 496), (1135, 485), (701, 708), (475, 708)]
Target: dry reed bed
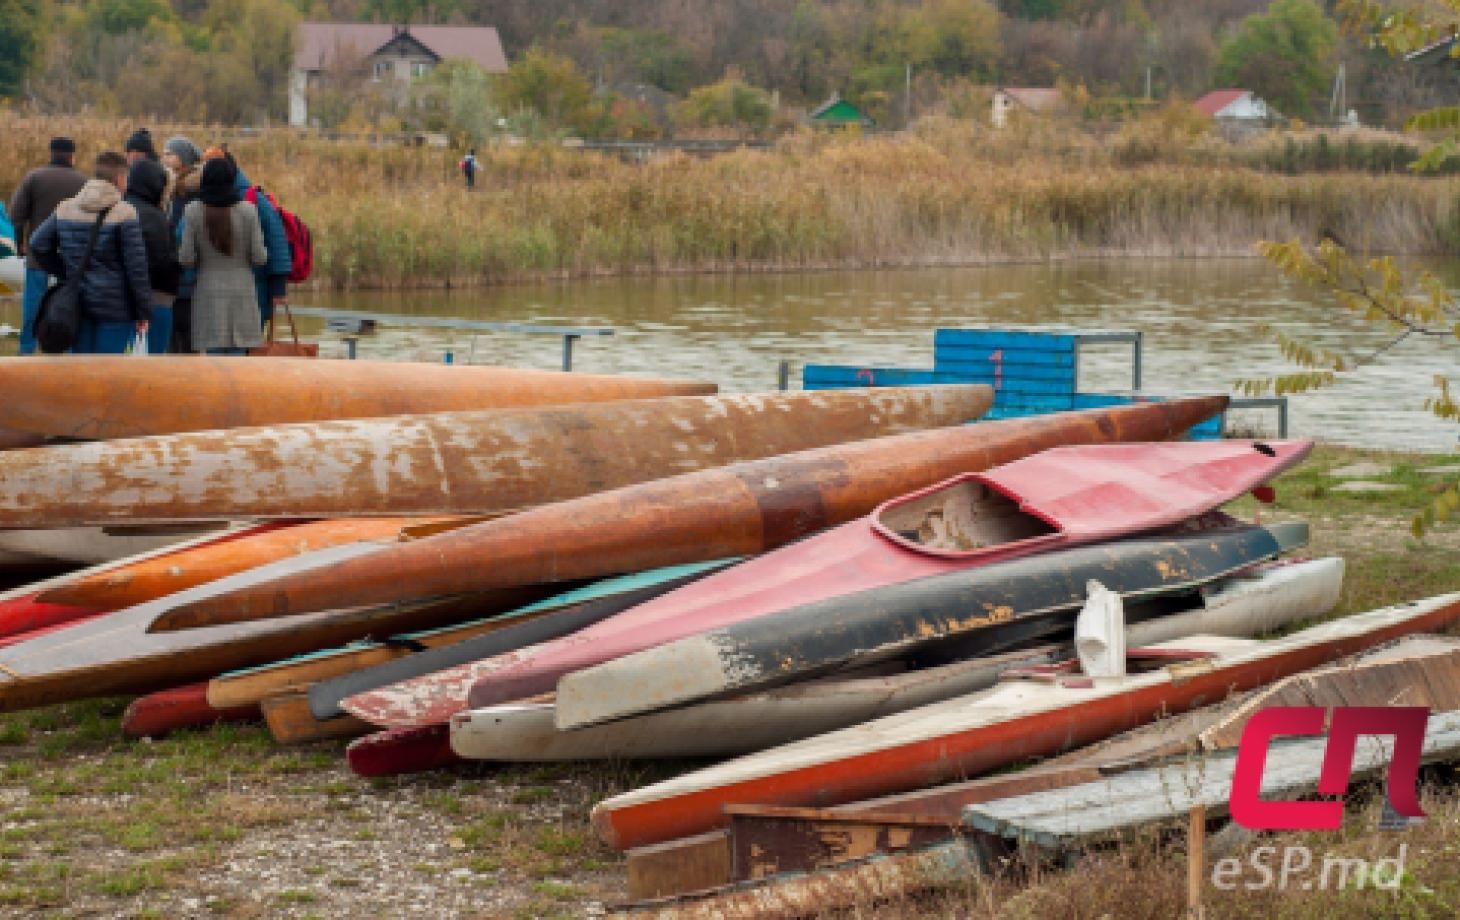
[(951, 193)]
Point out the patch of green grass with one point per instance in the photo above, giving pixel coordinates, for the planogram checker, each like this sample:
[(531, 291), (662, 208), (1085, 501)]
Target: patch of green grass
[(296, 896), (558, 891), (129, 881), (529, 795), (561, 841)]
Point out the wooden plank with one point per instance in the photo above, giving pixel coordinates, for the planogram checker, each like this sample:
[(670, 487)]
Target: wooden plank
[(766, 840), (678, 866), (290, 720), (1141, 797)]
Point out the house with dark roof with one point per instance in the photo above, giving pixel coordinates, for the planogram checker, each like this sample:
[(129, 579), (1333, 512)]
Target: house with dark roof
[(388, 52)]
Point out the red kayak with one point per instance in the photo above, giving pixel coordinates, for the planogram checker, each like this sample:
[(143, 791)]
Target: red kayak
[(26, 614), (1051, 500), (402, 750), (28, 635), (167, 711)]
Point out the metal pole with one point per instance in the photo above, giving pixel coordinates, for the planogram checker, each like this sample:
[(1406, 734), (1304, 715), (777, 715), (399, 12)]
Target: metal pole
[(783, 375), (1283, 418), (1136, 364), (350, 343), (568, 351)]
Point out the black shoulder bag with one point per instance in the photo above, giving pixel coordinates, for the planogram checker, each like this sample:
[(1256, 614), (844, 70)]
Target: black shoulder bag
[(59, 316)]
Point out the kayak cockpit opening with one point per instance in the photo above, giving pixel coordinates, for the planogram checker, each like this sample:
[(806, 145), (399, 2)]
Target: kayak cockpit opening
[(959, 517)]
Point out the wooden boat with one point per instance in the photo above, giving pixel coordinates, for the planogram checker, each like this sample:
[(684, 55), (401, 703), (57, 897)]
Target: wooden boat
[(1021, 718), (402, 750), (130, 583), (115, 654), (290, 720), (737, 510), (480, 462), (1061, 497), (978, 609), (544, 618), (166, 711), (26, 614), (1242, 606), (99, 397)]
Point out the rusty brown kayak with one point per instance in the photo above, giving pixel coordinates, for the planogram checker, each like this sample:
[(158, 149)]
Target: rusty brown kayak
[(100, 397), (147, 578), (447, 463), (736, 510)]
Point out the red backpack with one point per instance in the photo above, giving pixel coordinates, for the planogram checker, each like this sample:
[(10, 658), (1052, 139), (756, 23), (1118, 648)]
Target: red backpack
[(296, 231)]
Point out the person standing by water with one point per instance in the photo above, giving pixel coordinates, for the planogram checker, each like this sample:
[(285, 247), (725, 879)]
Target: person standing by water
[(182, 157), (146, 181), (116, 300), (35, 200), (469, 167), (223, 238), (271, 279)]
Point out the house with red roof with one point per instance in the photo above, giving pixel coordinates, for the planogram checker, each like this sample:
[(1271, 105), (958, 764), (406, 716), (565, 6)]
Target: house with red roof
[(1234, 105), (388, 52)]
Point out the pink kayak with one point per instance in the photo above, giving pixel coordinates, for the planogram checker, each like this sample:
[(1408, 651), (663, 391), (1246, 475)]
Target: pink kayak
[(1057, 498), (1051, 500)]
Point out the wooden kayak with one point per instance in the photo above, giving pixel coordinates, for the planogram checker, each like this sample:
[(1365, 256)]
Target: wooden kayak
[(166, 711), (99, 397), (130, 583), (26, 614), (115, 654), (1017, 720), (978, 609), (1061, 497), (290, 720), (1241, 606), (402, 750), (361, 660), (738, 510), (479, 462)]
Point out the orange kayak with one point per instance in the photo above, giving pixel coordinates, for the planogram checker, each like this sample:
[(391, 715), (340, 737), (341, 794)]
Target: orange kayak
[(101, 397), (449, 462), (126, 585), (737, 510)]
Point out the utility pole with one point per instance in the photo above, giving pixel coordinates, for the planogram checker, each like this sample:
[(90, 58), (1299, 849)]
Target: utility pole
[(907, 95), (1148, 82)]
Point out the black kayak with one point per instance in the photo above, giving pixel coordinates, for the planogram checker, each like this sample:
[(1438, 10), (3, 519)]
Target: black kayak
[(962, 614)]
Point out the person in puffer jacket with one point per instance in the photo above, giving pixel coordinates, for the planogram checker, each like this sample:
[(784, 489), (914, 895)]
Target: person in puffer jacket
[(146, 183), (116, 297)]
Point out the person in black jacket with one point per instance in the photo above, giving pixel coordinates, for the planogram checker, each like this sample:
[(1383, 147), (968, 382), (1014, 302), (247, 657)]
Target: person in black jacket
[(146, 181), (116, 301)]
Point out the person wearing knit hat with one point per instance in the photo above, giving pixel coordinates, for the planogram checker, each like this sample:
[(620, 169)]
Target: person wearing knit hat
[(140, 146), (180, 155), (223, 239)]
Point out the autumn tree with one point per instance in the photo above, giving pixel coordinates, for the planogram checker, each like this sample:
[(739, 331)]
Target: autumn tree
[(20, 41), (1283, 55), (548, 84)]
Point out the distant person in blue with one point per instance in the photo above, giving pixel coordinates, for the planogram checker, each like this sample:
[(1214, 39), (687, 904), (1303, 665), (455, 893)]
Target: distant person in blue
[(469, 167), (35, 200)]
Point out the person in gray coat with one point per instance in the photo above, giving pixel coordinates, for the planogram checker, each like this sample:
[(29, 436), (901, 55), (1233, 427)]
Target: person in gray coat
[(223, 238)]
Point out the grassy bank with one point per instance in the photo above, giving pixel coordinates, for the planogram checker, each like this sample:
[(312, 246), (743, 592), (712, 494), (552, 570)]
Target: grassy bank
[(222, 823), (949, 193)]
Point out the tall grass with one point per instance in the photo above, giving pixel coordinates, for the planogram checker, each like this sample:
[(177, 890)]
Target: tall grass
[(949, 193)]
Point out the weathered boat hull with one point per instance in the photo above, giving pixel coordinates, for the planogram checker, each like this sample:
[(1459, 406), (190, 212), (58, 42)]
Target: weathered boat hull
[(166, 711), (100, 397), (568, 613), (147, 579), (735, 511), (1043, 592), (526, 731), (26, 614), (448, 463), (970, 735), (96, 545), (290, 722), (402, 750)]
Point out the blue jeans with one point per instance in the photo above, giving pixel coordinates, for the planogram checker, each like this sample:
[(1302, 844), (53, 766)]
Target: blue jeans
[(159, 333), (36, 282), (94, 338)]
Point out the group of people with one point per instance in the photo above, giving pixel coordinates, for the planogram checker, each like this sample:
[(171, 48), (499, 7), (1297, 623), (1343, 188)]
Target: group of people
[(185, 254)]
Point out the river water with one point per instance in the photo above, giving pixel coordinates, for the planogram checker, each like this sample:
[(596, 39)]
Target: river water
[(1198, 318)]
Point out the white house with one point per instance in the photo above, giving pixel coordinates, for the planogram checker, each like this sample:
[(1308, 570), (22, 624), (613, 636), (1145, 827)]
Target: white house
[(393, 52), (1236, 105), (1038, 99)]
